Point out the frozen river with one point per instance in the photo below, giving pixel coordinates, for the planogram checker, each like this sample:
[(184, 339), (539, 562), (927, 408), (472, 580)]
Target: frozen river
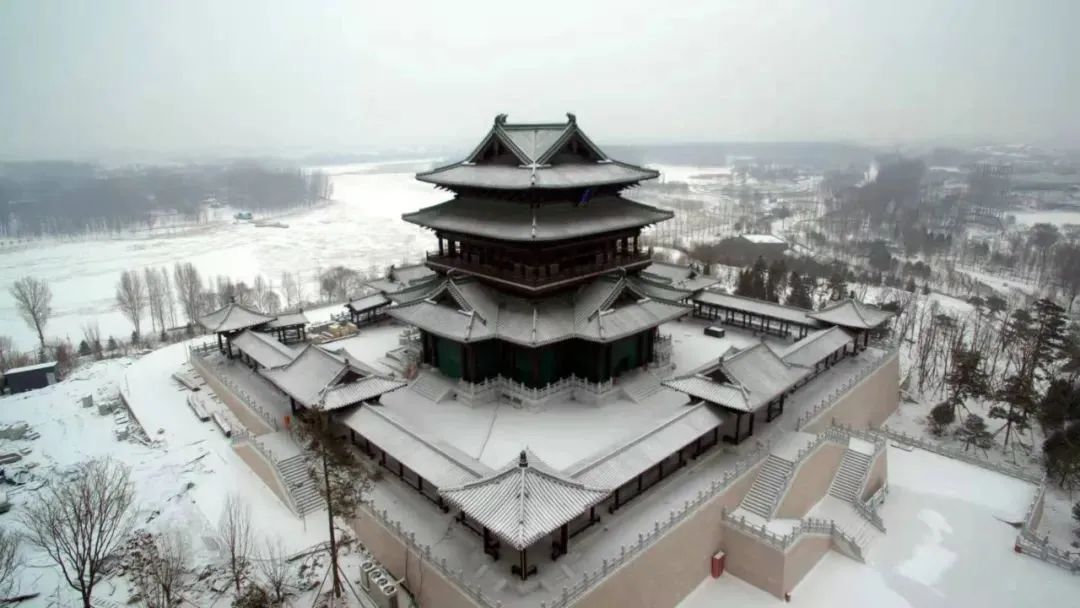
[(360, 229)]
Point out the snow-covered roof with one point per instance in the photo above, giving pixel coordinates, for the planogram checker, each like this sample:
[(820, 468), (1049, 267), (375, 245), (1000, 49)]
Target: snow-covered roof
[(799, 316), (678, 276), (764, 239), (440, 464), (291, 319), (264, 349), (613, 469), (368, 302), (527, 156), (233, 317), (315, 377), (659, 291), (744, 381), (31, 368), (518, 221), (403, 278), (606, 309), (524, 501), (816, 346), (853, 314)]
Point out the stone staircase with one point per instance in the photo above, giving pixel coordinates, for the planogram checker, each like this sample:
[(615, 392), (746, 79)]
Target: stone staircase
[(849, 520), (432, 386), (639, 385), (301, 485), (849, 477), (769, 486), (399, 360)]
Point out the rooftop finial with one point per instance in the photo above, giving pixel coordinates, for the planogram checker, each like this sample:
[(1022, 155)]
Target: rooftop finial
[(571, 119), (500, 119), (523, 460)]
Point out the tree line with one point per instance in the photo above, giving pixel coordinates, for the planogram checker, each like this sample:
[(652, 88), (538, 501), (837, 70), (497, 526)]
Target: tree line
[(80, 199)]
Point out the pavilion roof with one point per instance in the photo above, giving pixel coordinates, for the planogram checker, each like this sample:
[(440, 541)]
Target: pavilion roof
[(791, 314), (627, 460), (233, 317), (511, 221), (368, 302), (403, 278), (677, 276), (520, 156), (290, 319), (604, 310), (813, 348), (853, 314), (315, 378), (264, 349), (744, 381), (524, 501)]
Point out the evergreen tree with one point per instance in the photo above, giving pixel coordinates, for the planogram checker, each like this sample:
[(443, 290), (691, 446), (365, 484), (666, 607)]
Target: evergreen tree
[(744, 286), (966, 378), (837, 285), (777, 279), (1061, 455), (1017, 392), (758, 279), (910, 285), (800, 295), (1048, 337), (84, 348), (973, 431), (941, 416)]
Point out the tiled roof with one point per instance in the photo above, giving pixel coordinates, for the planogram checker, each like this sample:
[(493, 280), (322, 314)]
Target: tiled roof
[(813, 348), (291, 319), (481, 313), (613, 469), (233, 317), (437, 463), (677, 276), (772, 310), (853, 314), (264, 349), (368, 302), (313, 379), (752, 377), (524, 501), (516, 221), (403, 278), (548, 155)]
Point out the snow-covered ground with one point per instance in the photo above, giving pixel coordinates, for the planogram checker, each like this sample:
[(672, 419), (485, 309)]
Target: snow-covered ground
[(361, 229), (181, 479), (948, 544), (1058, 217)]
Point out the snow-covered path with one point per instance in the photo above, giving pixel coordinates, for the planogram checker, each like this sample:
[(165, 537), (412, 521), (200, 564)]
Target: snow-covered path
[(947, 545)]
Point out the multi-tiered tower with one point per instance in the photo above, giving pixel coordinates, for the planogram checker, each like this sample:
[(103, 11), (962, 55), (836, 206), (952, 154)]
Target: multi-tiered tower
[(538, 252)]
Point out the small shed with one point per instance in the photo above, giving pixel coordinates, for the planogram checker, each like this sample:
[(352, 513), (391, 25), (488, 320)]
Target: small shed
[(30, 377)]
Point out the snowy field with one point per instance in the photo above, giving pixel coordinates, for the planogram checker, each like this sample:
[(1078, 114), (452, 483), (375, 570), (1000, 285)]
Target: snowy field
[(948, 544), (181, 479), (1058, 217), (361, 229)]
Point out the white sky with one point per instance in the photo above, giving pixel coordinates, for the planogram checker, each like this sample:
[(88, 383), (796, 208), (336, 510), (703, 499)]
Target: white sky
[(85, 77)]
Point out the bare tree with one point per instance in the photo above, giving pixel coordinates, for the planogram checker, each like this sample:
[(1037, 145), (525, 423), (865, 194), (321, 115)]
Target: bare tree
[(189, 289), (161, 568), (235, 530), (10, 562), (170, 299), (7, 348), (155, 298), (131, 297), (273, 565), (80, 521), (33, 300), (92, 334), (291, 286)]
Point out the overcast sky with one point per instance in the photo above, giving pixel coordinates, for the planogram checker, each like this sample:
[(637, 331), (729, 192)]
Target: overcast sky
[(102, 76)]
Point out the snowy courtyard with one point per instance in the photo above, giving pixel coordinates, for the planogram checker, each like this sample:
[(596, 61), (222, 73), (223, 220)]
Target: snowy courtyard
[(949, 543)]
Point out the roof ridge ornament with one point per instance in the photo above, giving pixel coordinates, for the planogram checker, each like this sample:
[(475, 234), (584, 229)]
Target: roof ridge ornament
[(500, 119), (571, 119), (523, 459)]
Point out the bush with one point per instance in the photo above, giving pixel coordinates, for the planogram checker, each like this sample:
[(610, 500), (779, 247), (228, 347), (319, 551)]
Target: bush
[(941, 416), (254, 596)]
